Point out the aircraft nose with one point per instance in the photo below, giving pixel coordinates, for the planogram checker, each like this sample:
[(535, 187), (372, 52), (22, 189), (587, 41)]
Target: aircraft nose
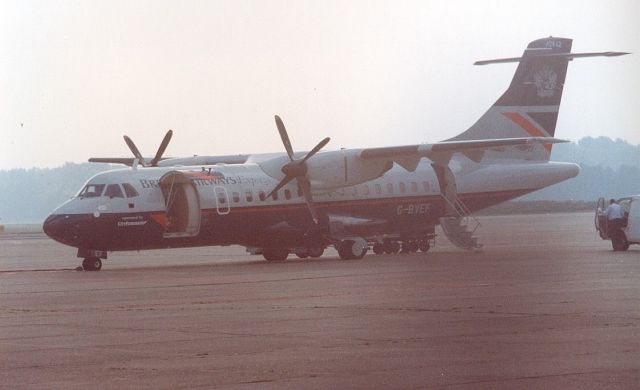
[(54, 227)]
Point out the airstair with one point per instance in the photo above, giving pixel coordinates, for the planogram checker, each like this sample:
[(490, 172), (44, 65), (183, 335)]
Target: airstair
[(460, 226)]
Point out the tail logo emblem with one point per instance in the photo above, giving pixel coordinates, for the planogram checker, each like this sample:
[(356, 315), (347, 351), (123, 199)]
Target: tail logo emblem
[(545, 81)]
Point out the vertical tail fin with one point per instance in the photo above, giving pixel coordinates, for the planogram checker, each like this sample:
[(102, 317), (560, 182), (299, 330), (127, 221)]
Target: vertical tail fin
[(529, 107)]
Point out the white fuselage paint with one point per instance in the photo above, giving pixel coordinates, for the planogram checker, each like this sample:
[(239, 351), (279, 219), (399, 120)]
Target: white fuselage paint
[(244, 182)]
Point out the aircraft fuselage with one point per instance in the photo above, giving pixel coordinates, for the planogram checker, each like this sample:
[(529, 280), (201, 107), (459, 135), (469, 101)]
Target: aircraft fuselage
[(233, 208)]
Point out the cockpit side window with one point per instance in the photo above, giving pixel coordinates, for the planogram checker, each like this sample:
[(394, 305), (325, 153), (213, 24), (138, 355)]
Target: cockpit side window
[(114, 191), (129, 190), (91, 191)]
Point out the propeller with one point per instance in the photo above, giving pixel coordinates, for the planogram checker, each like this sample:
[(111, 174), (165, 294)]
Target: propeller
[(159, 153), (297, 169)]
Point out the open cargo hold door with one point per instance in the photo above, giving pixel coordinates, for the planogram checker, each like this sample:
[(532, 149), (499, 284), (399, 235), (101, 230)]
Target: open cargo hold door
[(182, 203), (600, 220)]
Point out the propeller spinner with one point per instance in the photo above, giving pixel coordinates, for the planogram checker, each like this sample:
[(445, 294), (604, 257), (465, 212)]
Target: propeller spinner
[(297, 169), (159, 153)]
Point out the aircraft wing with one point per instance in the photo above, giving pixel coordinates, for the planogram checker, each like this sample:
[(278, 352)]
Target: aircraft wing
[(408, 156), (113, 160), (177, 161)]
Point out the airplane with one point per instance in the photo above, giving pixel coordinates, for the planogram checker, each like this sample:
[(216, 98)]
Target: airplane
[(386, 198)]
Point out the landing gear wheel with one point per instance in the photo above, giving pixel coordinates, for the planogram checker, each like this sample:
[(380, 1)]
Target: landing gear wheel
[(275, 254), (92, 264), (316, 252), (391, 247), (302, 254), (409, 247), (424, 246), (352, 250), (378, 249)]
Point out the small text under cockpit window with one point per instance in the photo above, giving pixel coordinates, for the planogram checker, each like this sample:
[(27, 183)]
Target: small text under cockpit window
[(91, 191), (114, 191), (129, 190)]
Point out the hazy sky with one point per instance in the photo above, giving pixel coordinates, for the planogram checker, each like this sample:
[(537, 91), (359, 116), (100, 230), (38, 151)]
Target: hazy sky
[(77, 75)]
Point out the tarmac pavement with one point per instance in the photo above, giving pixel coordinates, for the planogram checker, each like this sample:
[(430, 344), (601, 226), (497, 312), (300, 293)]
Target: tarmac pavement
[(546, 304)]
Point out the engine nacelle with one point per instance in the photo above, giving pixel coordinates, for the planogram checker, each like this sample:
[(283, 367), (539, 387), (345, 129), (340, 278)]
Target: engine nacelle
[(343, 168)]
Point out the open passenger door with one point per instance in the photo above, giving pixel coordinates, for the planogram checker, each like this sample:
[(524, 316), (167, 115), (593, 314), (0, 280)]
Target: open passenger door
[(182, 203)]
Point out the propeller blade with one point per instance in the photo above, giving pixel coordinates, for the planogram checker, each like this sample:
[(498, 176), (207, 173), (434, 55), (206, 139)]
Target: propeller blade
[(285, 137), (162, 148), (308, 197), (316, 149), (285, 180), (135, 151)]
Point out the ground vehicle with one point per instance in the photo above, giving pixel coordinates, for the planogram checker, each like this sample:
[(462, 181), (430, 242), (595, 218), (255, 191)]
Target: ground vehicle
[(631, 231)]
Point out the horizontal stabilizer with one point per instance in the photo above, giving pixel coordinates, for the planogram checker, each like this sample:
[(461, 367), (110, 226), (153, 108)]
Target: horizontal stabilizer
[(567, 56)]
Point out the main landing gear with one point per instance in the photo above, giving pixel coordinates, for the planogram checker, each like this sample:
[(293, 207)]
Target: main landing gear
[(281, 254), (408, 246), (352, 248)]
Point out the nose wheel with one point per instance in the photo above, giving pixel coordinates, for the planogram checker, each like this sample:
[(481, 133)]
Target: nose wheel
[(91, 264)]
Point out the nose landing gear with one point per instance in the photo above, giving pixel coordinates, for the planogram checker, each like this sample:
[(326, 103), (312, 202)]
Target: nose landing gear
[(92, 259), (92, 264)]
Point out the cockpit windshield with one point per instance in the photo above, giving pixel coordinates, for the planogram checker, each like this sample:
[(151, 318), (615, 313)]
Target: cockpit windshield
[(91, 191), (111, 190), (114, 191)]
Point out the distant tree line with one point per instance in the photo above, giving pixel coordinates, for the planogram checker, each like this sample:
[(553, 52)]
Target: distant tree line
[(608, 168), (29, 195)]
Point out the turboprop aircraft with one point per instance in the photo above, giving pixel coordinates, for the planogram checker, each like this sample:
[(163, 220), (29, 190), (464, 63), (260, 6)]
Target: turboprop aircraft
[(387, 198)]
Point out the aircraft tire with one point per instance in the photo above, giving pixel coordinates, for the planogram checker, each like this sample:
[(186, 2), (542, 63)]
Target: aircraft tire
[(275, 254), (92, 264), (391, 247), (409, 247), (316, 252), (302, 254), (346, 250), (424, 246), (378, 249)]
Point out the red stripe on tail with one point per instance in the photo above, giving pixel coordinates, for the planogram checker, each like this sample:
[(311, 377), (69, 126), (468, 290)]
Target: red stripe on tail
[(527, 126)]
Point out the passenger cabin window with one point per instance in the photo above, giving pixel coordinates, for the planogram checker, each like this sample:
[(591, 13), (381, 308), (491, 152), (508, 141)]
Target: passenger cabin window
[(287, 194), (129, 190), (365, 190), (378, 189), (114, 191), (425, 186), (221, 198), (390, 188), (414, 186), (91, 191), (275, 195), (262, 196), (236, 197), (403, 187), (249, 196)]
